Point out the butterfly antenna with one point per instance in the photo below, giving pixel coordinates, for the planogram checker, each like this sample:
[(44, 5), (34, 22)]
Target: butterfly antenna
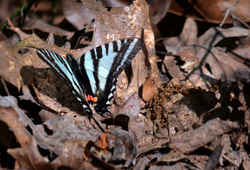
[(98, 124), (96, 117)]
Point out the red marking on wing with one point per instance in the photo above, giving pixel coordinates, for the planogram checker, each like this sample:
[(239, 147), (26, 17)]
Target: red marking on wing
[(92, 99)]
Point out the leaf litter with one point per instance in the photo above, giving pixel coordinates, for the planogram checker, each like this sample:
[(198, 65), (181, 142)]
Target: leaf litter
[(186, 109)]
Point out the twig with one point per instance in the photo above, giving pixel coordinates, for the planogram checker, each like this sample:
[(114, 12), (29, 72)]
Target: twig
[(228, 12), (21, 34)]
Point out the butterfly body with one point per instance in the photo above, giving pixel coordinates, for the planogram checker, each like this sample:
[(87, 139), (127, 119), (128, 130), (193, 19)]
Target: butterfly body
[(93, 77)]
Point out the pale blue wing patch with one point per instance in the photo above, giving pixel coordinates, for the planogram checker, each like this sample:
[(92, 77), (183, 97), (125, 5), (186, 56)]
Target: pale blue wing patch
[(101, 66), (105, 64), (89, 67)]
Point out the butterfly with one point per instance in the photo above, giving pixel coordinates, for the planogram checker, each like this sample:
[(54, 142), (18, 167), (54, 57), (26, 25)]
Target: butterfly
[(93, 76)]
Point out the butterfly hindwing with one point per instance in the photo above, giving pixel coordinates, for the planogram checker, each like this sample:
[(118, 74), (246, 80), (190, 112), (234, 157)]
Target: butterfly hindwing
[(103, 64), (68, 70)]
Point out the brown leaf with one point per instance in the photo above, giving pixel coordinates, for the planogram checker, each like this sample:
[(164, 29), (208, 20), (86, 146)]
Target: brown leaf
[(218, 63), (187, 37), (149, 90), (246, 164), (41, 25), (57, 135), (212, 11), (11, 118), (158, 10), (77, 14), (192, 140), (14, 58), (119, 148)]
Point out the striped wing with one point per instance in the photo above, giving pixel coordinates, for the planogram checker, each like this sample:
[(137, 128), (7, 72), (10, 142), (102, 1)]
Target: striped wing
[(68, 69), (101, 66)]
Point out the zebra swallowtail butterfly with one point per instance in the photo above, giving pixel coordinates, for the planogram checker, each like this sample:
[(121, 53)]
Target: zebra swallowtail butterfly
[(93, 77)]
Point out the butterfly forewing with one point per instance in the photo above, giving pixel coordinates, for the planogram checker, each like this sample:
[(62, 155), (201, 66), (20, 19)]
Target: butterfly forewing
[(68, 70)]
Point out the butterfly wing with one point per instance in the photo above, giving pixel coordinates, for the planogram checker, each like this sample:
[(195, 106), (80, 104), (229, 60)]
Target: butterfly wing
[(68, 69), (102, 65)]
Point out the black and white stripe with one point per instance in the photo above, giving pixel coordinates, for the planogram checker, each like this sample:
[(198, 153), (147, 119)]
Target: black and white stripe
[(107, 61), (68, 70), (96, 71)]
